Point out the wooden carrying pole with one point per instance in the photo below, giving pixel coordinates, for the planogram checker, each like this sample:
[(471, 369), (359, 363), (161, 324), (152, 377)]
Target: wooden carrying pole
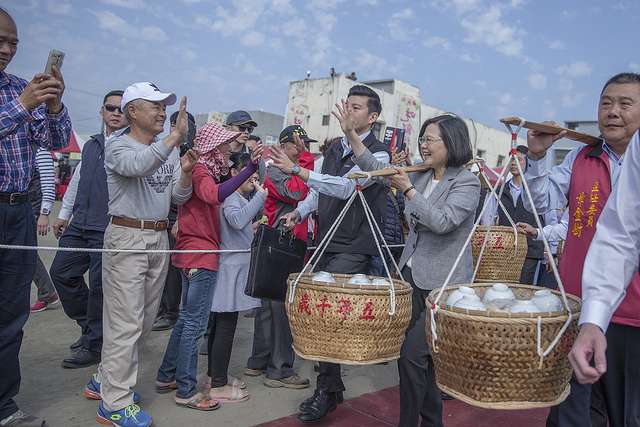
[(552, 129), (388, 171)]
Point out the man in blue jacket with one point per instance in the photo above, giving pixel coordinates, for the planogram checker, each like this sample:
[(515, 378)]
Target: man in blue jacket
[(86, 199)]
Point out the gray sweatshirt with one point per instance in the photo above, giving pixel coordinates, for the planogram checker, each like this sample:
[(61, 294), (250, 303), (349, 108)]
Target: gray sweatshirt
[(142, 179)]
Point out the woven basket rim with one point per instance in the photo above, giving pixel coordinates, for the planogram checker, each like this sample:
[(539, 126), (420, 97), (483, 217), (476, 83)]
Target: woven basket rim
[(489, 316), (341, 286), (515, 405), (318, 358), (498, 229)]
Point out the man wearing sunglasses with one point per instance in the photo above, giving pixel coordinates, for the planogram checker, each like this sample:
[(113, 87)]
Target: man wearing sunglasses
[(86, 199), (240, 121)]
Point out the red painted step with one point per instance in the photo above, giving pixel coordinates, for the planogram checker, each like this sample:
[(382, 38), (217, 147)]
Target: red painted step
[(382, 408)]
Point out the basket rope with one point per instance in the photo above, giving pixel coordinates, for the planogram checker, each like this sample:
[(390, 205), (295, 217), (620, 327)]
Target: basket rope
[(501, 178), (434, 307), (378, 237)]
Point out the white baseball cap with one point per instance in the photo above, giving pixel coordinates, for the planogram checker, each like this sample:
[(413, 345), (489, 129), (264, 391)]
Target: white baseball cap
[(148, 92)]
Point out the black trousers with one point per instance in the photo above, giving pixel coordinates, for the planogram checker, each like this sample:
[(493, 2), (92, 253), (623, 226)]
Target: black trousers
[(616, 396), (584, 407), (529, 269), (329, 377), (272, 341), (80, 302), (172, 292), (419, 394), (621, 382), (222, 329), (17, 227)]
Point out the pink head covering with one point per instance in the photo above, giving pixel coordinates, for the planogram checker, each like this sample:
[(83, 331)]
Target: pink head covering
[(208, 138)]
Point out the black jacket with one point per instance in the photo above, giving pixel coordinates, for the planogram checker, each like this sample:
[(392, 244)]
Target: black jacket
[(354, 234), (91, 207)]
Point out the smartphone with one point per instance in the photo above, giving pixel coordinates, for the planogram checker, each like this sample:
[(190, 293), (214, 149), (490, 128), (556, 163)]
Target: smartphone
[(55, 58)]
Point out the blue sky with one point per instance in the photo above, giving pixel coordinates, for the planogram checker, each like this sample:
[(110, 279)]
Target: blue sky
[(480, 58)]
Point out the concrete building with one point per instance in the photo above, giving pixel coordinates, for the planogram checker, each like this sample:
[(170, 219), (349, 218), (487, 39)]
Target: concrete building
[(311, 101), (269, 124)]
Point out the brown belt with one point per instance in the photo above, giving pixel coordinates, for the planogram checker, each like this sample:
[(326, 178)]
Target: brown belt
[(140, 224)]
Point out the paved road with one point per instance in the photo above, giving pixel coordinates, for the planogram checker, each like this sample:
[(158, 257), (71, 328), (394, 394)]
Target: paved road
[(55, 393)]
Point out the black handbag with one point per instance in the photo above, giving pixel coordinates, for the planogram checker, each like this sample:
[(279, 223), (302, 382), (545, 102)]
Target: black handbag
[(275, 254)]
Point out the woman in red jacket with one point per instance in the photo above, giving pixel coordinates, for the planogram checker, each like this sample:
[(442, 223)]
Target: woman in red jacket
[(199, 228)]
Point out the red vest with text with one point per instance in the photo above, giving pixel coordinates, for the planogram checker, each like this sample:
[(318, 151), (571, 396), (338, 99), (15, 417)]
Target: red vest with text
[(588, 193)]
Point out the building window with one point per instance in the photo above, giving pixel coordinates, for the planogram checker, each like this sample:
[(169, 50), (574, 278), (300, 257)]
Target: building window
[(481, 153), (325, 120), (500, 161)]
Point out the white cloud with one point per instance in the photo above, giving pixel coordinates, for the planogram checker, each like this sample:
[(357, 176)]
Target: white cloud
[(570, 100), (488, 28), (399, 26), (575, 69), (283, 7), (109, 21), (505, 99), (374, 64), (635, 67), (253, 38), (461, 6), (325, 4), (437, 41), (538, 81), (129, 4), (59, 7), (470, 102), (469, 57), (556, 45), (480, 83), (240, 18)]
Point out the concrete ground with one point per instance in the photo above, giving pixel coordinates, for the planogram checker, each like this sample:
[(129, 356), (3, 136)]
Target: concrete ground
[(55, 393)]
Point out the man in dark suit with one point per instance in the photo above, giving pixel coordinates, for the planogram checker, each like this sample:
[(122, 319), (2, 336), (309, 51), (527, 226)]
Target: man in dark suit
[(351, 248)]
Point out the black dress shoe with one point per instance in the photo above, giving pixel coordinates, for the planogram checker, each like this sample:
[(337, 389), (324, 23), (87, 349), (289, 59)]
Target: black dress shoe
[(323, 403), (81, 359), (304, 406), (445, 396), (76, 345)]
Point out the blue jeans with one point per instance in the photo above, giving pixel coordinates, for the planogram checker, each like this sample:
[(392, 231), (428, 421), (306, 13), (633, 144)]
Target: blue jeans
[(180, 361)]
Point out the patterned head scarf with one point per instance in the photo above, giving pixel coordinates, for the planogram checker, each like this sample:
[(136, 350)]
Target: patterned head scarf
[(208, 138)]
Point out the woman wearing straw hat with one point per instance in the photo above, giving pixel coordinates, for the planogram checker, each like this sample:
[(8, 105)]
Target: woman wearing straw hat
[(440, 207)]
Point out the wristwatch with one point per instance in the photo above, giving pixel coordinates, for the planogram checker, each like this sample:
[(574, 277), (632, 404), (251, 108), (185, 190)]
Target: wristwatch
[(45, 211), (295, 170)]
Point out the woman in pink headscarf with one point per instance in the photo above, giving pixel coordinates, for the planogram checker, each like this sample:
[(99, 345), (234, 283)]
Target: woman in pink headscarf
[(199, 228)]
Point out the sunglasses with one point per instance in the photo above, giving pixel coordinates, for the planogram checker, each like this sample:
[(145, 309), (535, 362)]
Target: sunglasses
[(248, 129), (112, 108)]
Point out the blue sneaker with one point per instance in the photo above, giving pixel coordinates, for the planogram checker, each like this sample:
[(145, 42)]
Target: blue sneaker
[(92, 390), (131, 416)]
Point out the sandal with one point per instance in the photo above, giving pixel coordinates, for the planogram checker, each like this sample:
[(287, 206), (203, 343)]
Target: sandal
[(163, 388), (235, 382), (198, 402), (237, 395)]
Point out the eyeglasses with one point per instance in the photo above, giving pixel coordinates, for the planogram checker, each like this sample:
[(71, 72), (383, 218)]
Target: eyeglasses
[(248, 129), (112, 108), (428, 141)]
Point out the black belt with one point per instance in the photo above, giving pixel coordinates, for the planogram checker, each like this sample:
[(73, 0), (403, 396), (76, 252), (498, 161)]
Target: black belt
[(14, 198)]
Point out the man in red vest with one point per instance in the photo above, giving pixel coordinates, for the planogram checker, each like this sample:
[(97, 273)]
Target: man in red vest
[(611, 264), (583, 182)]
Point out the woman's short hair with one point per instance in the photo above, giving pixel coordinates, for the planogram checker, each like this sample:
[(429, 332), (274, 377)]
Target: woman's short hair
[(455, 136)]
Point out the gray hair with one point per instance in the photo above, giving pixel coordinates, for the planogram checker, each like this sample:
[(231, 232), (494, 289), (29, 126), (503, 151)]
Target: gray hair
[(135, 103)]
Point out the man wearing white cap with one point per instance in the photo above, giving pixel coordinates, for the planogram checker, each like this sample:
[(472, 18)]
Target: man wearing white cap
[(144, 175)]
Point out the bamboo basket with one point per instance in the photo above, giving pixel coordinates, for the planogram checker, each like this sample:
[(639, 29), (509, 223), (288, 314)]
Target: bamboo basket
[(502, 259), (492, 360), (344, 323)]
